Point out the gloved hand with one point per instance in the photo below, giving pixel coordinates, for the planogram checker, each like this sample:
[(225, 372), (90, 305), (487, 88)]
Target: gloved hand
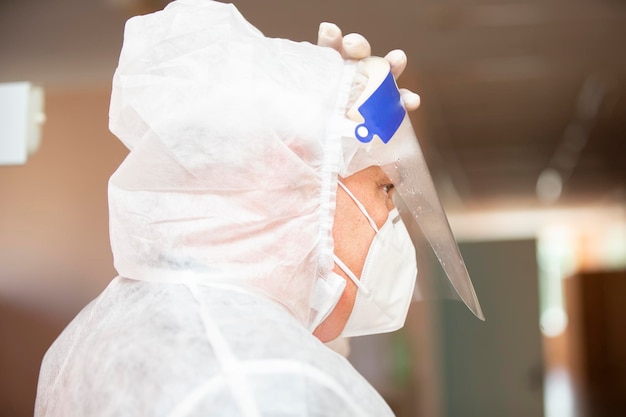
[(355, 46)]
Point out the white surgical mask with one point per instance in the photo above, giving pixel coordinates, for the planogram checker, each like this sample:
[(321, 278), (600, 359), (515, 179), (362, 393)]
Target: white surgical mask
[(387, 280)]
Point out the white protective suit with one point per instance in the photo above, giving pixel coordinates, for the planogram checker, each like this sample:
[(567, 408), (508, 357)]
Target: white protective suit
[(221, 220)]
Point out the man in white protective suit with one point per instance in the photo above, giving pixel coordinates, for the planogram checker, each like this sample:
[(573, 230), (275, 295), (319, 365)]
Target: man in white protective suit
[(252, 221)]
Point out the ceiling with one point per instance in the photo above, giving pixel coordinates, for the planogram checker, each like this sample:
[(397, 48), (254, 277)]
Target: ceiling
[(517, 96)]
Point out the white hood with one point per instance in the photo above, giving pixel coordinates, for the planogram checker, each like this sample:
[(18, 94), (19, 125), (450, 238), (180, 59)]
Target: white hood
[(231, 175)]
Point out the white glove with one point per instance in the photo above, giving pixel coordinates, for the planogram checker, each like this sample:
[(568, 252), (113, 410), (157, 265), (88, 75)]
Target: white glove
[(355, 46)]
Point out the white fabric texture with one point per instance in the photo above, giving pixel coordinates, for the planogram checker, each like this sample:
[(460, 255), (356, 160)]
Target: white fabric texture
[(232, 171), (163, 349), (221, 230)]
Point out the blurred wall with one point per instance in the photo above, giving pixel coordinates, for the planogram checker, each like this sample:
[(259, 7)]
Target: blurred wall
[(54, 246), (495, 368)]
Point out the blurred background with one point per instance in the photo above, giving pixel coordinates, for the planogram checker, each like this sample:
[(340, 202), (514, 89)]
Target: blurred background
[(523, 124)]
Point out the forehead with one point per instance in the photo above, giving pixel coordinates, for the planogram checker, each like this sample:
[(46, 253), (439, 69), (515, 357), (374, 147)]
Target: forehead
[(374, 174)]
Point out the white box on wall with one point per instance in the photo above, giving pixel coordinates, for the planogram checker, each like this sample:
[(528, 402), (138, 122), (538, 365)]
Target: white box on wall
[(21, 117)]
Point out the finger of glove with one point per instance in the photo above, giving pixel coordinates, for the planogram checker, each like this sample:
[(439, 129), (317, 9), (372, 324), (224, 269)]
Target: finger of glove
[(355, 46), (410, 99), (330, 35), (397, 60)]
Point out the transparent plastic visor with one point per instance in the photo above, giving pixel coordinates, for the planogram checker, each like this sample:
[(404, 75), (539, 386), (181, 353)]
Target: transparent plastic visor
[(384, 136), (414, 186)]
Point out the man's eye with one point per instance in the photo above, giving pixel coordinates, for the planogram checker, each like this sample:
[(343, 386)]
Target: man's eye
[(387, 188)]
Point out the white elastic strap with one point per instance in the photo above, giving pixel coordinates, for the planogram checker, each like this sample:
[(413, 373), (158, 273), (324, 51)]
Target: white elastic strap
[(266, 368), (236, 380), (359, 205), (353, 277)]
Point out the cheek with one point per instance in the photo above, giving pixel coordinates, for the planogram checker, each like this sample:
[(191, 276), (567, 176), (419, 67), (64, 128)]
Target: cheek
[(389, 203), (352, 234), (379, 210)]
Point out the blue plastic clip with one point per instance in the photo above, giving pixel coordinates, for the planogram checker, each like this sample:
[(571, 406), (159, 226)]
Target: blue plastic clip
[(383, 113)]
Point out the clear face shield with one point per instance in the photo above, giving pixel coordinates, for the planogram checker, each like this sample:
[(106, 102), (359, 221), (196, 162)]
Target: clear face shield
[(382, 135)]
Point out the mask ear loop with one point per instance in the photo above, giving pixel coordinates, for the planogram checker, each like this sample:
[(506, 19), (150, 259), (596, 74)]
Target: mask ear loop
[(338, 261), (359, 205), (353, 277)]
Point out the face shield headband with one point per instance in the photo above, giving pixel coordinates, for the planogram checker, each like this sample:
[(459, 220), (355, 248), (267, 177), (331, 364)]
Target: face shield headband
[(379, 132)]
